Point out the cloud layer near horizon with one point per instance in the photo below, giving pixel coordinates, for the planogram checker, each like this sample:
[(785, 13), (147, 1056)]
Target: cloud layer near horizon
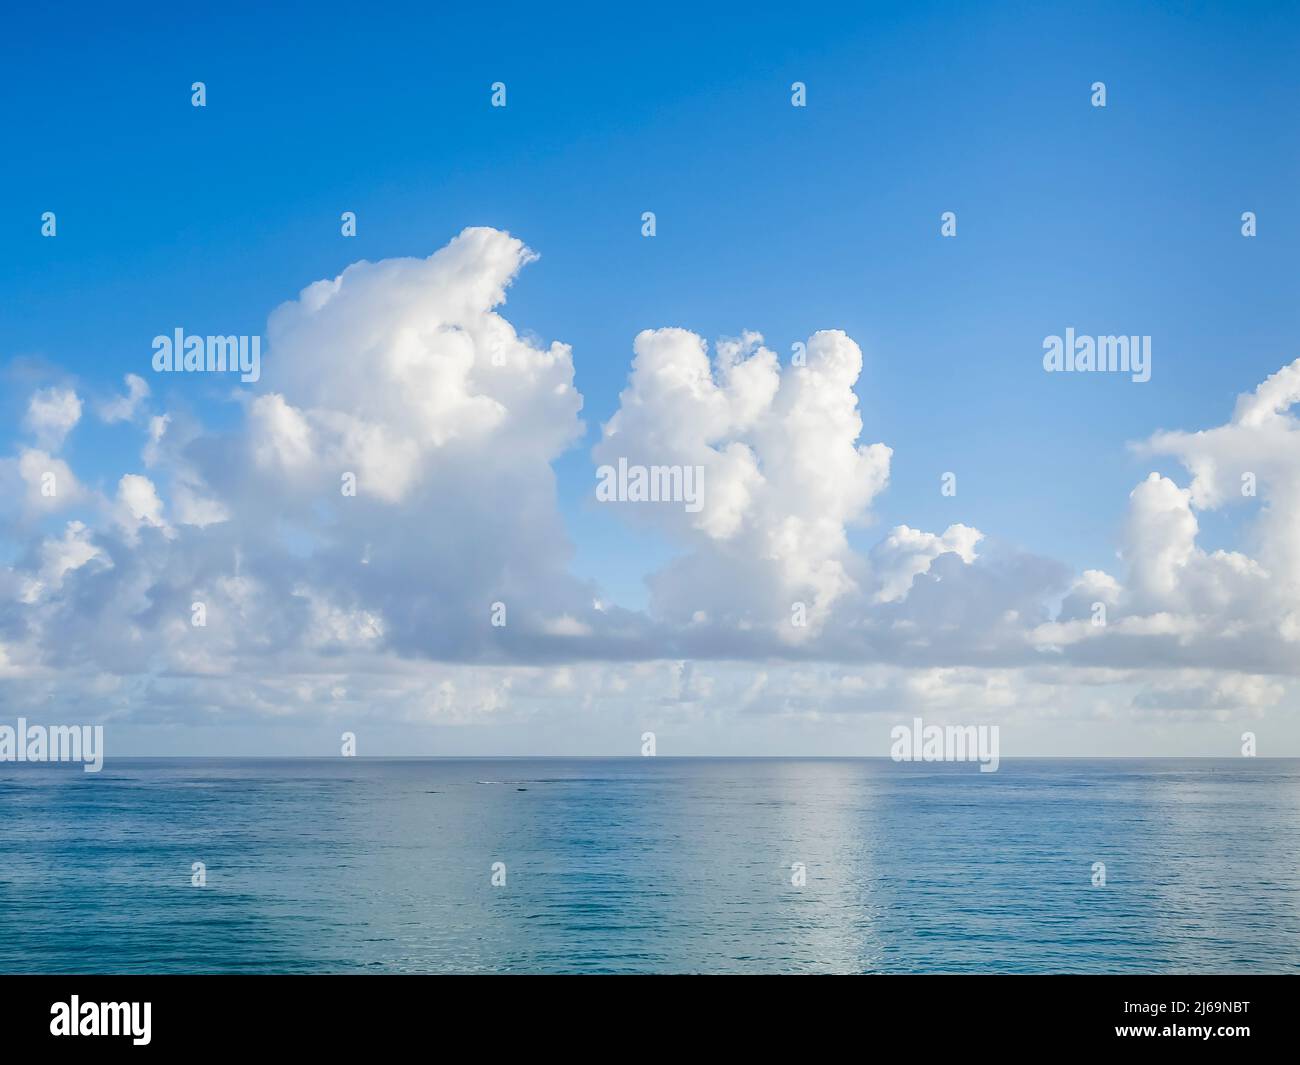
[(403, 378)]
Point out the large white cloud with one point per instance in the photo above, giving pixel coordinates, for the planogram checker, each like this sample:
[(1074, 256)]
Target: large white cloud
[(783, 475), (1179, 604), (391, 481)]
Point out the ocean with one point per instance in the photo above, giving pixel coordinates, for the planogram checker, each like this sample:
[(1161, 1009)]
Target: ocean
[(650, 865)]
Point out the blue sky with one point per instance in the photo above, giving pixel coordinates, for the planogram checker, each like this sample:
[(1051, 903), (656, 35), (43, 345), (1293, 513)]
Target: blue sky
[(770, 218)]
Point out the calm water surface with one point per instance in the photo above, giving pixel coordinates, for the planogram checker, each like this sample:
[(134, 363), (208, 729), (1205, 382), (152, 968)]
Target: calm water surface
[(650, 865)]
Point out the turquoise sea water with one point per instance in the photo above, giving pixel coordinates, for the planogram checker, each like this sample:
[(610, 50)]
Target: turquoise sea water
[(650, 865)]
